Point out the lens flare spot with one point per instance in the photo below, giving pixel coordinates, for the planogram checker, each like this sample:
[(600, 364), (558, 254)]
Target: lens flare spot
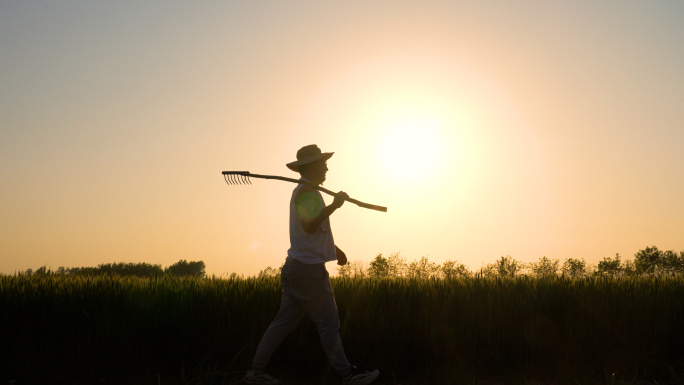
[(254, 246)]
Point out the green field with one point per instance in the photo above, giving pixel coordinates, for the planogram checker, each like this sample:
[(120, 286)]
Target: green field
[(88, 330)]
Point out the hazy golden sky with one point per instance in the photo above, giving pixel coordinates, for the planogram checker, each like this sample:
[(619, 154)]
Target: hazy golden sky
[(527, 128)]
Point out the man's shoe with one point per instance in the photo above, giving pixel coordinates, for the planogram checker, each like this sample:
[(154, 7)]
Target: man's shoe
[(360, 377), (260, 377)]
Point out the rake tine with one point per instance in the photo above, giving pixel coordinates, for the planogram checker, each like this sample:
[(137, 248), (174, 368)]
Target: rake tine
[(236, 177)]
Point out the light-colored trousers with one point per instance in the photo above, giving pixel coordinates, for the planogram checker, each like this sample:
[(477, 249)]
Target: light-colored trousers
[(306, 289)]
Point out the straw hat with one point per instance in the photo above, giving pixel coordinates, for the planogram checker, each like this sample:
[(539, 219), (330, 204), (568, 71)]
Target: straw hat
[(308, 154)]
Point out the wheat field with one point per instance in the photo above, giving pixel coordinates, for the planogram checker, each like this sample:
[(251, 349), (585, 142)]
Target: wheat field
[(112, 329)]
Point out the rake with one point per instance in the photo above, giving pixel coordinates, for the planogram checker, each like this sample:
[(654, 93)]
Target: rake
[(242, 177)]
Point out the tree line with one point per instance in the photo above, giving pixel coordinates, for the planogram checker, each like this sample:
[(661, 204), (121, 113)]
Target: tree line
[(649, 261), (181, 268)]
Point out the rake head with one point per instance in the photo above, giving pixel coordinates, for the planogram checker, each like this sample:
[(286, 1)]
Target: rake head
[(236, 177)]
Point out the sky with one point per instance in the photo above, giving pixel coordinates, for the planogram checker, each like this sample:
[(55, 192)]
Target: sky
[(489, 128)]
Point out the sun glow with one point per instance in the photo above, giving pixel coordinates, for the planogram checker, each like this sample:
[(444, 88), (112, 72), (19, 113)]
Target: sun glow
[(412, 149)]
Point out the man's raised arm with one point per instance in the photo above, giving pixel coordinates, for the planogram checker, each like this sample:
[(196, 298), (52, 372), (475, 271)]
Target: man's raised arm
[(309, 210)]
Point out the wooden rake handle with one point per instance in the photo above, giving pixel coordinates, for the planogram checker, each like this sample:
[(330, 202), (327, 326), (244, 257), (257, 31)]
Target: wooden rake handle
[(247, 174)]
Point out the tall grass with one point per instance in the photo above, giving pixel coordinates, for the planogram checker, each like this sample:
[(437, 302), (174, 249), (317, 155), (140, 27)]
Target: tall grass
[(630, 325), (113, 329)]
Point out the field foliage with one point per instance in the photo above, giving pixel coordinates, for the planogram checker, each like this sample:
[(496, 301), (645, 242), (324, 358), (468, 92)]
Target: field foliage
[(112, 329)]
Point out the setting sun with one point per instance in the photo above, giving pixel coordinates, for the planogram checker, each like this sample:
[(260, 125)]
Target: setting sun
[(412, 149)]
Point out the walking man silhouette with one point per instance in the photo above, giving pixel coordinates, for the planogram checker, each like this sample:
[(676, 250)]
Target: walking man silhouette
[(305, 281)]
